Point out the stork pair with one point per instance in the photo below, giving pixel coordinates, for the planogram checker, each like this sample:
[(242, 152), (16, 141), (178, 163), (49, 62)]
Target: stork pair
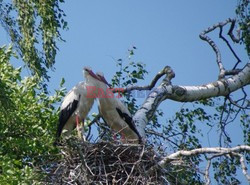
[(77, 104)]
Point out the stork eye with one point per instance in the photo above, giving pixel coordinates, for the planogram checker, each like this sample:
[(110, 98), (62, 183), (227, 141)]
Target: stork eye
[(87, 69)]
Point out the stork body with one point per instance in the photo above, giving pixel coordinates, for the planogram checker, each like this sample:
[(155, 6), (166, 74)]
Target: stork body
[(117, 116), (76, 105)]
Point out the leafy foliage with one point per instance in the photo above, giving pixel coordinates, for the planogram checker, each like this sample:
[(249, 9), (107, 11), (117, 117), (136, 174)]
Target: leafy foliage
[(225, 170), (244, 21), (28, 22), (28, 119), (127, 75)]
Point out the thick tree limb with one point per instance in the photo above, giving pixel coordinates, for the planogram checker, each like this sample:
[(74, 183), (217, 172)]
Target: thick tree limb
[(216, 151), (166, 90), (198, 151), (221, 87)]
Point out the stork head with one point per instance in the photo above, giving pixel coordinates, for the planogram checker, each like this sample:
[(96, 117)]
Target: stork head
[(101, 77), (87, 71)]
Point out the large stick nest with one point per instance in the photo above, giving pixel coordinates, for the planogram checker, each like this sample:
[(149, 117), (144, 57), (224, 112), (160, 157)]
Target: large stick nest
[(106, 163)]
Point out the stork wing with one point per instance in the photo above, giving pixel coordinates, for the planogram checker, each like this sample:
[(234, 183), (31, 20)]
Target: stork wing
[(68, 107), (128, 119)]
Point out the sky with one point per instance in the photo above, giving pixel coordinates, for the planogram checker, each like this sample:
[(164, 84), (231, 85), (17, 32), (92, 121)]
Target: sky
[(164, 33)]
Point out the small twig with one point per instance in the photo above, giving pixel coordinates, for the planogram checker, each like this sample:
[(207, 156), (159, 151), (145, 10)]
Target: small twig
[(237, 105), (104, 169), (161, 135), (222, 122), (98, 116), (230, 32), (139, 160)]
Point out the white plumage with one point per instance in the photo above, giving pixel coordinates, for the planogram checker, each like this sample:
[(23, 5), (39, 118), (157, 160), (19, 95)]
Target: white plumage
[(116, 114), (76, 105)]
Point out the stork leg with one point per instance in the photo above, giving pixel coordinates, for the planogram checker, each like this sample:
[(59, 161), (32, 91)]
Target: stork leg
[(78, 127), (82, 133), (123, 139), (114, 136)]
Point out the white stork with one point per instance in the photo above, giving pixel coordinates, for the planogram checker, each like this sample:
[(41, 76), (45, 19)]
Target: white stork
[(76, 105), (116, 114)]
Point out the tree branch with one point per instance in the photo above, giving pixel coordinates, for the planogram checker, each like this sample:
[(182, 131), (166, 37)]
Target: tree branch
[(151, 85), (220, 25), (204, 37), (218, 151), (230, 32), (198, 151), (166, 90), (229, 46)]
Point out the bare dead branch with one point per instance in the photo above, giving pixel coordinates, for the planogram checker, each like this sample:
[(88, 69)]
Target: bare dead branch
[(229, 46), (204, 37), (164, 71), (237, 105), (220, 25), (230, 32)]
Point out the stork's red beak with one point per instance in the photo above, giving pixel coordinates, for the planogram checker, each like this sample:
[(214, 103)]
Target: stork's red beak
[(91, 73), (102, 78), (105, 81)]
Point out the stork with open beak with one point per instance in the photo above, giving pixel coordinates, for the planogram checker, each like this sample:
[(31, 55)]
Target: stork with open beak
[(116, 114), (76, 105)]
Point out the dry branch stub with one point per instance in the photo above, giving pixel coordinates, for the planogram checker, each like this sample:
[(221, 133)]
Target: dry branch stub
[(106, 163)]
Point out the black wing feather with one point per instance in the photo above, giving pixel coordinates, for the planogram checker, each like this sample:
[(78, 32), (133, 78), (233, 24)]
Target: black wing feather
[(64, 116), (128, 119)]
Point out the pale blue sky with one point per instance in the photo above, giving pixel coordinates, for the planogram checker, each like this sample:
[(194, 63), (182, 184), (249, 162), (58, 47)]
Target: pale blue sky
[(165, 33)]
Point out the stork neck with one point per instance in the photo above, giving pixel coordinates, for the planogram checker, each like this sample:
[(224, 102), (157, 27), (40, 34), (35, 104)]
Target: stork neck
[(91, 81)]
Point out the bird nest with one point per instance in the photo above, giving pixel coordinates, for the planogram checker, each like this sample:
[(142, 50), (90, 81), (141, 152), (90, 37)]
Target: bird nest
[(106, 163)]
